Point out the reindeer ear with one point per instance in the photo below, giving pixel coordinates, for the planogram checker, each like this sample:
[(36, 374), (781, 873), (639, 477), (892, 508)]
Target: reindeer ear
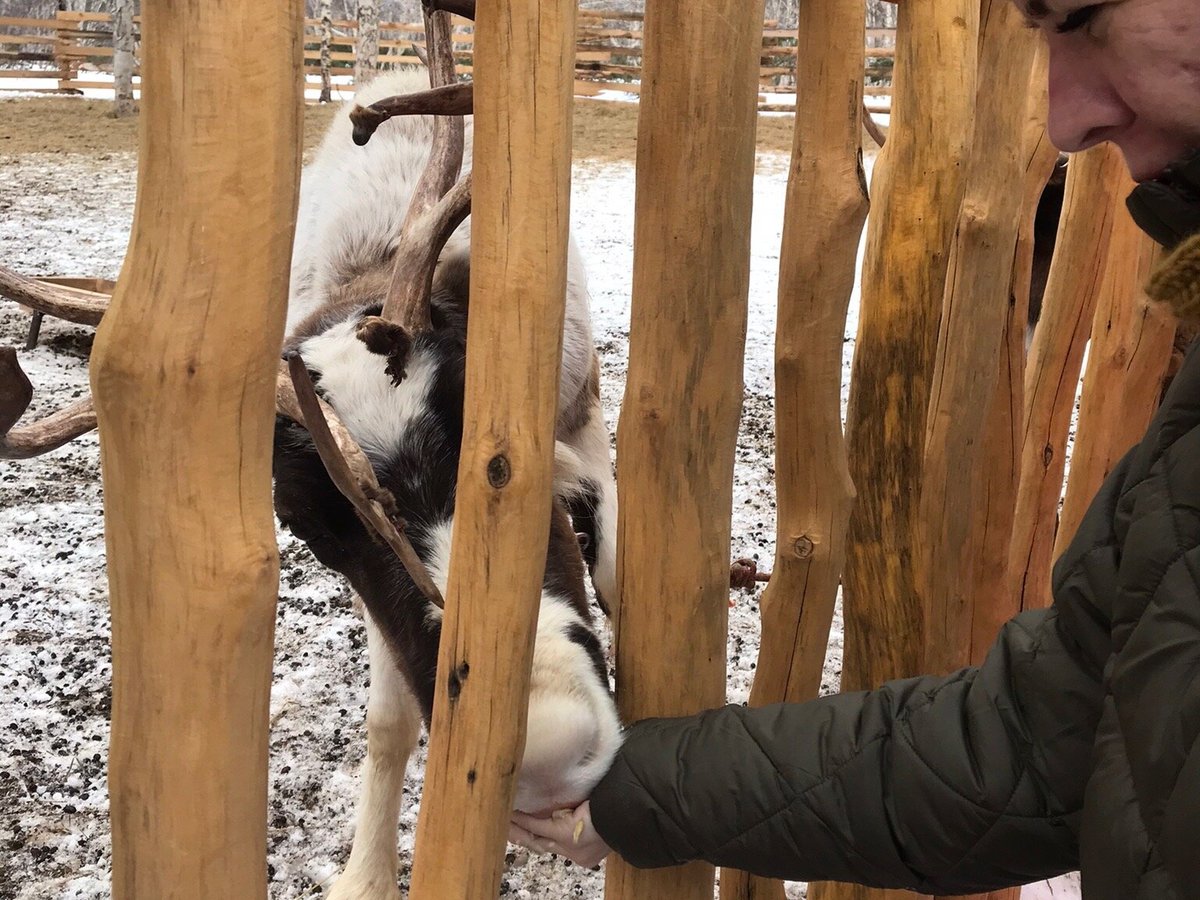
[(387, 339)]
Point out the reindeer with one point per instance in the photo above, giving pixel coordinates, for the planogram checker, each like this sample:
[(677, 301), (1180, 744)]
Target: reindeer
[(370, 412), (398, 389)]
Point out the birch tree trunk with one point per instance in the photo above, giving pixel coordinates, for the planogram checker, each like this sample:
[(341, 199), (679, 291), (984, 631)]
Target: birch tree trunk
[(122, 22), (366, 61), (325, 13)]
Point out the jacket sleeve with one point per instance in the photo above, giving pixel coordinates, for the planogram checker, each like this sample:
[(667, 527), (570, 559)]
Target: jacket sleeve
[(952, 785)]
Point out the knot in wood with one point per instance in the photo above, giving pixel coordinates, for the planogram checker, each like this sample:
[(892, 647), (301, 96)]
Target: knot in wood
[(455, 682), (803, 547), (1047, 456), (499, 471)]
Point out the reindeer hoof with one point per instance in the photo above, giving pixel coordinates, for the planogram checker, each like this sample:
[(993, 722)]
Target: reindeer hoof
[(388, 339)]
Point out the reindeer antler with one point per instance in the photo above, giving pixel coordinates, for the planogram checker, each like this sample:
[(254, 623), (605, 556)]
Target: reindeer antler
[(295, 398), (68, 423), (464, 8), (45, 434), (349, 469), (435, 209), (62, 302), (446, 100)]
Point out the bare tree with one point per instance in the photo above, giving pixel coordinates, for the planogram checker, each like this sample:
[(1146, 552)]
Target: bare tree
[(881, 14), (366, 60), (122, 25), (326, 15)]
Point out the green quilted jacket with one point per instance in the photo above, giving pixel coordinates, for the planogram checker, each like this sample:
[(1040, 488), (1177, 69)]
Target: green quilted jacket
[(1075, 745)]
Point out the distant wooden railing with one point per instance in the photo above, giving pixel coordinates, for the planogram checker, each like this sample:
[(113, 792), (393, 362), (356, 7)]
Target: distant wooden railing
[(608, 56)]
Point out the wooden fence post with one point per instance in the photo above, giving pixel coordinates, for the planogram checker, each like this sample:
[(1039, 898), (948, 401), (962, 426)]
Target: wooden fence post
[(997, 493), (183, 372), (1052, 374), (679, 420), (1128, 360), (973, 341), (823, 221), (521, 188), (970, 339), (916, 192)]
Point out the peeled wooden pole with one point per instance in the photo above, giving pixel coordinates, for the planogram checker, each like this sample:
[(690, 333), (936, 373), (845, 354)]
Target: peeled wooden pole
[(974, 318), (679, 420), (524, 58), (823, 220), (997, 493), (915, 194), (1052, 374), (973, 349), (183, 372), (1127, 363)]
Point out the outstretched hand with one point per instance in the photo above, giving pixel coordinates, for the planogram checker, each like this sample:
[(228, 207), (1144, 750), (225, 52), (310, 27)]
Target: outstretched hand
[(568, 833)]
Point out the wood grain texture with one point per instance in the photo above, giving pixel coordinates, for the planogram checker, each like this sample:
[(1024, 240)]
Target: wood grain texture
[(996, 496), (183, 373), (972, 335), (502, 513), (679, 420), (916, 191), (1130, 354), (823, 220), (1056, 357)]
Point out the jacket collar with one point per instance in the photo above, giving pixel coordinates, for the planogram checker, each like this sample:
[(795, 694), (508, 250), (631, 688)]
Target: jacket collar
[(1168, 207)]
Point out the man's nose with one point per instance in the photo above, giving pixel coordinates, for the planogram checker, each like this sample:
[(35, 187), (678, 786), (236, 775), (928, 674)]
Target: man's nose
[(1085, 107)]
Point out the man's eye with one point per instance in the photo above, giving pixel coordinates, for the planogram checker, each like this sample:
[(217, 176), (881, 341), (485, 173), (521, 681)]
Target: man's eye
[(1078, 19)]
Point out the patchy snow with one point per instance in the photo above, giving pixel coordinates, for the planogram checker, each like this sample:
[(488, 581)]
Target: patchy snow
[(71, 215)]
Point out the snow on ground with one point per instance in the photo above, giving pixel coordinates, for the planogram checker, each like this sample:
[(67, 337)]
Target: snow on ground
[(71, 215)]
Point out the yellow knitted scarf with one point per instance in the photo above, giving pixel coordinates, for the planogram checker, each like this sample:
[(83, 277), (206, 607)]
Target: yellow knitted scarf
[(1176, 282)]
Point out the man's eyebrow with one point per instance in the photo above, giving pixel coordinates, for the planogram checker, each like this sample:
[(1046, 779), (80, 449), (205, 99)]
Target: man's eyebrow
[(1036, 9)]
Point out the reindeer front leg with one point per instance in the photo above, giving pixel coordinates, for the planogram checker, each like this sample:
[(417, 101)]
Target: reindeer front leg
[(393, 728)]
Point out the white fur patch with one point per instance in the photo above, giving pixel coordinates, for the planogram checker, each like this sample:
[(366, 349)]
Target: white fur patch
[(573, 730), (355, 382)]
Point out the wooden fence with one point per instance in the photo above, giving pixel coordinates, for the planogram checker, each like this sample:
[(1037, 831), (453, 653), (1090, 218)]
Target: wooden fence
[(73, 47)]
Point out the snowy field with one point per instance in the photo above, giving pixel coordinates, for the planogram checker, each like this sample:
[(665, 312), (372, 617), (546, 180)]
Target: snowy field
[(71, 215)]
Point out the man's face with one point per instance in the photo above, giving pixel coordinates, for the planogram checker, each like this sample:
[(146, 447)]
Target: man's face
[(1126, 71)]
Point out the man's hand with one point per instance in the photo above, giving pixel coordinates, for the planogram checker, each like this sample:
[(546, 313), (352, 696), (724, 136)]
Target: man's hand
[(568, 833)]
